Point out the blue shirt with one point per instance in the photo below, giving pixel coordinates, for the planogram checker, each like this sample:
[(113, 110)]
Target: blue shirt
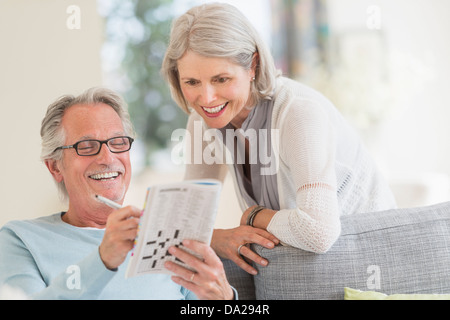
[(49, 259)]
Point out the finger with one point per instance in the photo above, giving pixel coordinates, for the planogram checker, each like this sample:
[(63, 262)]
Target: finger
[(266, 235), (208, 284), (130, 224), (129, 235), (205, 251), (241, 263), (252, 256), (191, 286), (189, 259), (205, 292), (270, 237), (260, 238), (126, 213), (181, 271)]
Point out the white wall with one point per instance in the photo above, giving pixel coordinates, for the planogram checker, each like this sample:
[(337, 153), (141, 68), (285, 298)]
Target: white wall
[(40, 59), (414, 144)]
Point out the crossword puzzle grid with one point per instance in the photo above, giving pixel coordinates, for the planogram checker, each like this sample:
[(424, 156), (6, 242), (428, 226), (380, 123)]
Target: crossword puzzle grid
[(155, 252)]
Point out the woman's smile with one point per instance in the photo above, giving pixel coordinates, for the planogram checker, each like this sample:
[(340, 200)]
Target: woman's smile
[(215, 111)]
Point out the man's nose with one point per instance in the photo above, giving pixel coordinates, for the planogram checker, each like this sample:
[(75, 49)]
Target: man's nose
[(105, 154)]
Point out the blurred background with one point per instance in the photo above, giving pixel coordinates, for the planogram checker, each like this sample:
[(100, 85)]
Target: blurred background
[(383, 63)]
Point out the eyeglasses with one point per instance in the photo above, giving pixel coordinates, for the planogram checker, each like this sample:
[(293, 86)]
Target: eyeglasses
[(92, 147)]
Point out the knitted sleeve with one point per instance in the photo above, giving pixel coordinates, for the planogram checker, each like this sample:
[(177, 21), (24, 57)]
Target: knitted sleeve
[(308, 148)]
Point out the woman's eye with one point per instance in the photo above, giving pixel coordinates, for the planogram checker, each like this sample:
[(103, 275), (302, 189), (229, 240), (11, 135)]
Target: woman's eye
[(191, 82), (221, 80)]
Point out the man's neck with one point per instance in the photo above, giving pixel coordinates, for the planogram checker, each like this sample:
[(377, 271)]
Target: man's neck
[(85, 219)]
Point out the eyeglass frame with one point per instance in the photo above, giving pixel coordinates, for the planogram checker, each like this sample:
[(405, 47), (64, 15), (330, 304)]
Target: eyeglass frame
[(75, 146)]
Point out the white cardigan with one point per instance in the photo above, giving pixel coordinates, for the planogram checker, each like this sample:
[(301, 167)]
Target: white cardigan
[(324, 171)]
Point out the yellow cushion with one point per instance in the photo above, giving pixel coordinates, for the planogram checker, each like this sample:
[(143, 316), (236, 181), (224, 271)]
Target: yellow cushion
[(352, 294)]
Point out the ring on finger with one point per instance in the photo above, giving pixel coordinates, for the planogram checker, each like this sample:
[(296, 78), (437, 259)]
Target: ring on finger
[(239, 249), (192, 277)]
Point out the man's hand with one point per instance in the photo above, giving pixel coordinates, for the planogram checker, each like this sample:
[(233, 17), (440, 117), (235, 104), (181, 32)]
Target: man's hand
[(209, 281), (121, 230)]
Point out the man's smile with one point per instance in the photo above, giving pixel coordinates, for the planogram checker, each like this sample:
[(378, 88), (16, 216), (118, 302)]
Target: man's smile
[(105, 176)]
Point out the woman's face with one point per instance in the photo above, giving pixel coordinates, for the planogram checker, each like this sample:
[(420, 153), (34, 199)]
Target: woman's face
[(216, 88)]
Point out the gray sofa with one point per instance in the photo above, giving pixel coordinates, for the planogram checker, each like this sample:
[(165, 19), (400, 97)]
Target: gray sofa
[(397, 251)]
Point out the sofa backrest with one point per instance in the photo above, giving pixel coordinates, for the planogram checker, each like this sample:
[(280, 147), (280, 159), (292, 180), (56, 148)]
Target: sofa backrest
[(394, 251)]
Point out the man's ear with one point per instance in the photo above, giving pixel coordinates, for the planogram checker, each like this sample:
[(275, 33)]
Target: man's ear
[(53, 167)]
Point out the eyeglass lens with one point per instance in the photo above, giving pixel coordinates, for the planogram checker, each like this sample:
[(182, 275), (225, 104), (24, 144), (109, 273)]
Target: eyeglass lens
[(90, 147)]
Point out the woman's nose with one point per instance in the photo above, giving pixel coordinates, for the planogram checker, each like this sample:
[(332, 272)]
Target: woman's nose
[(208, 95)]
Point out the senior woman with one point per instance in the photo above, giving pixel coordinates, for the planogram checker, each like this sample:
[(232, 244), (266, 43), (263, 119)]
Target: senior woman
[(222, 74)]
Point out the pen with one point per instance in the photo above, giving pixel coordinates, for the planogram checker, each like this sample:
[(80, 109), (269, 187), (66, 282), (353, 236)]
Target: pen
[(108, 202)]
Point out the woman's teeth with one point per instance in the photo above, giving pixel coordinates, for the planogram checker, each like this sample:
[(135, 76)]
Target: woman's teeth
[(103, 176), (215, 109)]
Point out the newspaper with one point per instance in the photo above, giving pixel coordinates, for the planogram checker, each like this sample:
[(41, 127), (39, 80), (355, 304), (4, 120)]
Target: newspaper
[(172, 213)]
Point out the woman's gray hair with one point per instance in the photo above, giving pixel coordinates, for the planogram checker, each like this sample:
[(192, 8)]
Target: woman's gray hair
[(219, 30), (52, 133)]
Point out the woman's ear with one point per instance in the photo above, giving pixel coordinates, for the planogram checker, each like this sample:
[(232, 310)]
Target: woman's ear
[(53, 167), (255, 64)]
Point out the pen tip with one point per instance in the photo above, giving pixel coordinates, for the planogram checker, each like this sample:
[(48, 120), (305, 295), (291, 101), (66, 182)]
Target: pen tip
[(96, 195)]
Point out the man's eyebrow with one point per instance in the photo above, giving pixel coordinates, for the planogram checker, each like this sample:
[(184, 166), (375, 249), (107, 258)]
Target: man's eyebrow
[(86, 137), (91, 137)]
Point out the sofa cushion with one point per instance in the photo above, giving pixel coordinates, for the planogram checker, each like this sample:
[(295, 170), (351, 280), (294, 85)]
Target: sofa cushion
[(240, 280), (397, 251)]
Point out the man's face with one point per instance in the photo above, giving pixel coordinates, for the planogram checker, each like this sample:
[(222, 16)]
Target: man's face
[(107, 174)]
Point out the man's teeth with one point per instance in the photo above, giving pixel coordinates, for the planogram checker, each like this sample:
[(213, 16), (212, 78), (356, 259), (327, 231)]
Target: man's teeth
[(216, 109), (106, 175)]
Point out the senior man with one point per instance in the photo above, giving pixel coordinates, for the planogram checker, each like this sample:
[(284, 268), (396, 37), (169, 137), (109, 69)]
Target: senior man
[(82, 253)]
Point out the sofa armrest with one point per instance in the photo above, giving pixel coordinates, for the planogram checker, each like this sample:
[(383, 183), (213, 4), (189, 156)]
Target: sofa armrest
[(395, 251)]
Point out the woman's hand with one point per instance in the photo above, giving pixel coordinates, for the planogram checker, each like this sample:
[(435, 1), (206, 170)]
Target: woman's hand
[(232, 244), (209, 281)]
